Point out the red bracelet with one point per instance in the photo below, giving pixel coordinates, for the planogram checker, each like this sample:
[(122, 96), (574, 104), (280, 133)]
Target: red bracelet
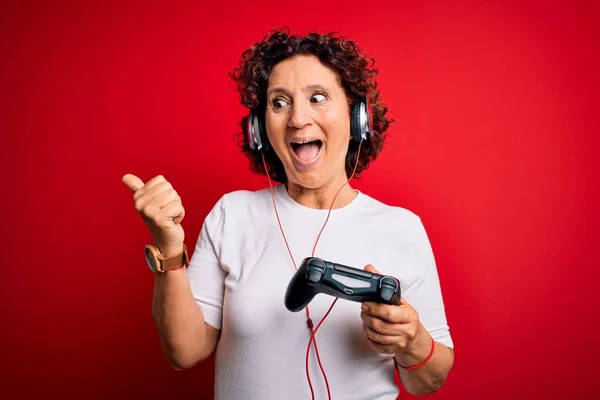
[(419, 365)]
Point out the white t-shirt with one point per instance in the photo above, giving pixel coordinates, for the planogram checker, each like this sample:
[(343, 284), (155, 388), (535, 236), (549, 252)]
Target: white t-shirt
[(239, 273)]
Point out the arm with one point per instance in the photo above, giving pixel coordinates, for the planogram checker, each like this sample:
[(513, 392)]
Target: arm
[(187, 303), (427, 304), (430, 377), (407, 330), (186, 339), (398, 330)]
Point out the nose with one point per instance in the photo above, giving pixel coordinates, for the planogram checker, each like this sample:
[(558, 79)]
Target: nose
[(300, 116)]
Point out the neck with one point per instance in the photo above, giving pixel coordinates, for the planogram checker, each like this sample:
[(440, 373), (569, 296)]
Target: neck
[(321, 198)]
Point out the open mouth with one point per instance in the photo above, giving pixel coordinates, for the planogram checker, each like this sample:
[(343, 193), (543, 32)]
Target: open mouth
[(307, 150)]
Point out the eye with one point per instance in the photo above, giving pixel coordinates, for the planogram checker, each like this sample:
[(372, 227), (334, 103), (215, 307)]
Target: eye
[(318, 98), (279, 103)]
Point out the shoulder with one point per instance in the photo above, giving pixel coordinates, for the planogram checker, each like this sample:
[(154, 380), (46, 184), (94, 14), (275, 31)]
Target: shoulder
[(241, 202), (394, 215), (245, 199)]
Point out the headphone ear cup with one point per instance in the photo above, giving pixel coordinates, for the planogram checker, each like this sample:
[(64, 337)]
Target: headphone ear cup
[(257, 133), (251, 136), (262, 132), (361, 127), (355, 123)]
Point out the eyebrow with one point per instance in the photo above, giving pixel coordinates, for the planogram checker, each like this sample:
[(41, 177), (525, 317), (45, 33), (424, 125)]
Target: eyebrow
[(281, 90)]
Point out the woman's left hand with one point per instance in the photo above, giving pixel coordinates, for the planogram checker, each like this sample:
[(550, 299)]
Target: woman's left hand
[(391, 329)]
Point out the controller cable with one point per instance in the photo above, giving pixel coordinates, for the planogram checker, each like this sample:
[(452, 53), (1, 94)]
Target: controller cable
[(309, 320)]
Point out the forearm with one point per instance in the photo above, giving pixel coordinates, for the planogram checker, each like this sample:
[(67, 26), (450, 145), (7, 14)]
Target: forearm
[(178, 318), (431, 376)]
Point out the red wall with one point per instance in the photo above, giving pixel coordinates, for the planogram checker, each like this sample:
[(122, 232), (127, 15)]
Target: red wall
[(495, 108)]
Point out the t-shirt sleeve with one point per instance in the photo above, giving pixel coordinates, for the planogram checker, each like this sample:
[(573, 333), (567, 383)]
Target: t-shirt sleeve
[(205, 273), (424, 292)]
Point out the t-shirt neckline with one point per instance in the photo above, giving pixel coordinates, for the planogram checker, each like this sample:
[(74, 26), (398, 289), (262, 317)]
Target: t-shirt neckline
[(284, 198)]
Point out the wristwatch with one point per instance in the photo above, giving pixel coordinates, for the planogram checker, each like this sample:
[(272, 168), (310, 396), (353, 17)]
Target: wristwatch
[(158, 263)]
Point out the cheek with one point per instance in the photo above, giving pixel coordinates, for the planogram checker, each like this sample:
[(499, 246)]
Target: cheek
[(341, 139), (338, 133), (276, 128)]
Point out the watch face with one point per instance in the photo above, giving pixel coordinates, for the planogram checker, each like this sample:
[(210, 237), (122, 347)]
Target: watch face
[(150, 260)]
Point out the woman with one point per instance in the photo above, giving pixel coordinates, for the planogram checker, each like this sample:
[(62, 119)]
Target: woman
[(308, 132)]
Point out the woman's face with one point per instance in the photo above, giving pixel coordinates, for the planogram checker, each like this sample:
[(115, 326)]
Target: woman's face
[(308, 121)]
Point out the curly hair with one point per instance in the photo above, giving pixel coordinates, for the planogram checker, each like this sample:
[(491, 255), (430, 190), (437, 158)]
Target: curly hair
[(356, 74)]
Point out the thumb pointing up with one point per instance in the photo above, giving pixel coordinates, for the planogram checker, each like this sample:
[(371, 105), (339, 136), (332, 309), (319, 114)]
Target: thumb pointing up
[(132, 182)]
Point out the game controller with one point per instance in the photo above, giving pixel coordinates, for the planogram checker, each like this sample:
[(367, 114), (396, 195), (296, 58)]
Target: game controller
[(316, 276)]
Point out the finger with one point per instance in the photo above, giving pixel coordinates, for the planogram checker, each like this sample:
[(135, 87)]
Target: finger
[(389, 313), (173, 210), (382, 348), (403, 301), (378, 338), (154, 181), (158, 197), (132, 182), (177, 219), (152, 196), (149, 185), (370, 268), (387, 350), (159, 218), (380, 326)]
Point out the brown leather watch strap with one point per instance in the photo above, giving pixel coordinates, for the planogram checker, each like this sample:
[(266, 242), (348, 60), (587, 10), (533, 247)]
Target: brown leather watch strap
[(170, 263)]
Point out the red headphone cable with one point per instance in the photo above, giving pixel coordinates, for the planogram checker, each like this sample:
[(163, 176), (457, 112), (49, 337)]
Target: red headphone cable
[(312, 339)]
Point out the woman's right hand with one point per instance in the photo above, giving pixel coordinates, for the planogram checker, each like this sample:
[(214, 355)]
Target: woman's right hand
[(161, 208)]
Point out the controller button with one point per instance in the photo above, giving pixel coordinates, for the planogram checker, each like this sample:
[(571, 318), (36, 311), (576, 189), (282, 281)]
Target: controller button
[(315, 274), (353, 271), (390, 283), (387, 294), (317, 263)]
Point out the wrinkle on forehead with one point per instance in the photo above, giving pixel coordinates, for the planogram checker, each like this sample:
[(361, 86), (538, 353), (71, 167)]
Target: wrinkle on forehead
[(303, 73)]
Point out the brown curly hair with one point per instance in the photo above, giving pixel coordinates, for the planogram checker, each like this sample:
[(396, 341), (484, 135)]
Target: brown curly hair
[(356, 73)]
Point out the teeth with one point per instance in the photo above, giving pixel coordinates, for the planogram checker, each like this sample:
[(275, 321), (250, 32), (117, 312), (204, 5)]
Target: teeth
[(305, 142)]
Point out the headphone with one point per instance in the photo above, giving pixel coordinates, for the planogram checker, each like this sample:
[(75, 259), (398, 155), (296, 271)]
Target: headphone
[(361, 126)]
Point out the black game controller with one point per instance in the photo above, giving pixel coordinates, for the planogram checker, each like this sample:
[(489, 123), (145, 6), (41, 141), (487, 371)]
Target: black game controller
[(316, 276)]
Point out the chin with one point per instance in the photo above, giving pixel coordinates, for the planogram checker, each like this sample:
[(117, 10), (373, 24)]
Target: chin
[(306, 179)]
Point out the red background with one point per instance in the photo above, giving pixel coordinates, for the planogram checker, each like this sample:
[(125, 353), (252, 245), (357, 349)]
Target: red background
[(494, 146)]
